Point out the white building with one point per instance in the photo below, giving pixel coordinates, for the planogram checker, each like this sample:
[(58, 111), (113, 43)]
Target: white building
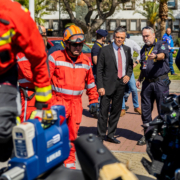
[(124, 17)]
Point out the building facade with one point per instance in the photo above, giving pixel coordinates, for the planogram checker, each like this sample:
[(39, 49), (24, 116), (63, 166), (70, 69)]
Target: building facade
[(124, 16)]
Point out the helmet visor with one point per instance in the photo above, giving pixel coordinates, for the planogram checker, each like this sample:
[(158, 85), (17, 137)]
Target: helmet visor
[(77, 38)]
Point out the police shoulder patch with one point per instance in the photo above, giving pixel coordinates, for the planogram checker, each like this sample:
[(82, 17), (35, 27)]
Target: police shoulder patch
[(163, 47)]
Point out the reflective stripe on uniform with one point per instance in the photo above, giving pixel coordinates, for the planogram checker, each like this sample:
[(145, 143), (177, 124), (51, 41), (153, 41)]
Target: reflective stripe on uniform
[(23, 81), (67, 64), (69, 165), (85, 66), (89, 86), (67, 91), (51, 59), (43, 94), (7, 37), (22, 59), (25, 107)]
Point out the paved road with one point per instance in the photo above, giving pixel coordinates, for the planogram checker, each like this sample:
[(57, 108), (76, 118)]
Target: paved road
[(129, 131)]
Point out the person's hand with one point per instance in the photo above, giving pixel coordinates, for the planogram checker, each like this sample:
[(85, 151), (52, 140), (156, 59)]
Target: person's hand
[(93, 108), (126, 79), (174, 52), (134, 65), (151, 56), (138, 83), (101, 91)]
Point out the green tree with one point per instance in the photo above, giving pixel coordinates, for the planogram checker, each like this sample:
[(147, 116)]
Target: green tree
[(40, 9), (151, 12), (102, 8), (156, 11), (163, 14)]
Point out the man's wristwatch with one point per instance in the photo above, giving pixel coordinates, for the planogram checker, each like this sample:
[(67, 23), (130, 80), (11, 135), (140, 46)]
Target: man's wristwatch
[(136, 62), (155, 57)]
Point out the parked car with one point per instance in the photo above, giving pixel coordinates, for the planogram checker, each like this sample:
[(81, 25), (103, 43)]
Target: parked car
[(52, 41)]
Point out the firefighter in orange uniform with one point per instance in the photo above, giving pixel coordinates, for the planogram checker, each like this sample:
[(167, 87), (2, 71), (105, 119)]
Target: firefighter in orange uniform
[(16, 35), (70, 72), (25, 79)]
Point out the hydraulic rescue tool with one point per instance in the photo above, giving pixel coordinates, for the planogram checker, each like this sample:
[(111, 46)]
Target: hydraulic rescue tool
[(39, 146)]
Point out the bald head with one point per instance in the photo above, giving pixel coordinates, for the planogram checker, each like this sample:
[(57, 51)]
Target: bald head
[(168, 31), (43, 29)]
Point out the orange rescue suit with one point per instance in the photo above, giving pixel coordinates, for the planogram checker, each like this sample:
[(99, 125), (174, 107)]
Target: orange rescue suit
[(68, 80), (16, 36), (26, 86)]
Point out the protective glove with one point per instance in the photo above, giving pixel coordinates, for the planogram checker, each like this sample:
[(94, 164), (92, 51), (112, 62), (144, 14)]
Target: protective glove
[(94, 109)]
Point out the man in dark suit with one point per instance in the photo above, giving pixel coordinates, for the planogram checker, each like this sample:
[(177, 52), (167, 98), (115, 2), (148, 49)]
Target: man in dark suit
[(114, 69)]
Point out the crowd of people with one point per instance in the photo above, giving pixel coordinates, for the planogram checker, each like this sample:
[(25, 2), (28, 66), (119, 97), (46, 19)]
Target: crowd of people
[(61, 77)]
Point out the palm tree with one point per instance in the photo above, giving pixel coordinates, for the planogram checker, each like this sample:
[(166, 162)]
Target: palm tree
[(151, 12), (154, 12), (40, 8), (163, 14)]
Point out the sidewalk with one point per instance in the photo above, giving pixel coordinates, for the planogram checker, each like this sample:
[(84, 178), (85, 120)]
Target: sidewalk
[(129, 131)]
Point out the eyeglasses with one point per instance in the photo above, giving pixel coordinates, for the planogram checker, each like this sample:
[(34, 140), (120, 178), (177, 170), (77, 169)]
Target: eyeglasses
[(77, 44)]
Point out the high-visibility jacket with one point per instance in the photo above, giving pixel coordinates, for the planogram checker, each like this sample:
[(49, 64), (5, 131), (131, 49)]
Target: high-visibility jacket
[(69, 79), (19, 33), (26, 86)]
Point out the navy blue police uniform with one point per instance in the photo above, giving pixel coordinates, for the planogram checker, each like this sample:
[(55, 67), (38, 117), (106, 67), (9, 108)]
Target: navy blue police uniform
[(96, 48), (156, 83), (94, 52)]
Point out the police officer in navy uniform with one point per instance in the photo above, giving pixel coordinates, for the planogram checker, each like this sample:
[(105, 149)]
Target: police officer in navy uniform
[(101, 39), (154, 72)]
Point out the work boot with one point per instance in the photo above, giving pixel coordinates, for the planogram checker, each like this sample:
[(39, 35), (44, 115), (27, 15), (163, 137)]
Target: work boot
[(138, 110), (123, 112), (142, 141)]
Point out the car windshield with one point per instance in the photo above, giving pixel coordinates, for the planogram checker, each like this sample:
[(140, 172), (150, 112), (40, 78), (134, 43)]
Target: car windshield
[(85, 49)]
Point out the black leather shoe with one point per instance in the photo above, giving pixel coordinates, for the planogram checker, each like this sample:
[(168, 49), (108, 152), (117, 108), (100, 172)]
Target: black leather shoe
[(113, 140), (142, 141)]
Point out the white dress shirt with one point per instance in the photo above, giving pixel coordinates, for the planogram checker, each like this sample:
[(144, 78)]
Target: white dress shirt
[(123, 56), (134, 47)]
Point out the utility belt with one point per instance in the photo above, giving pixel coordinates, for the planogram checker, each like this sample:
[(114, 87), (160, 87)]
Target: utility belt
[(25, 93), (157, 79)]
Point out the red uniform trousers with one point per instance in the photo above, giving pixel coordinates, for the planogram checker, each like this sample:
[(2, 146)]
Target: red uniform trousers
[(27, 103), (73, 107)]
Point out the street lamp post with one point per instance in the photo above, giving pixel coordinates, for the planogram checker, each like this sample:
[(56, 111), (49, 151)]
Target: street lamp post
[(59, 20), (31, 8)]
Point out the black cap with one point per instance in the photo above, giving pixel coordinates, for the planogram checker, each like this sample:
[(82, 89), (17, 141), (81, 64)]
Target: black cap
[(102, 32)]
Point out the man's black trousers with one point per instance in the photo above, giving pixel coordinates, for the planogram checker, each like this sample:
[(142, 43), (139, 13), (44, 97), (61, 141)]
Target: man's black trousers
[(152, 91), (8, 111), (117, 98)]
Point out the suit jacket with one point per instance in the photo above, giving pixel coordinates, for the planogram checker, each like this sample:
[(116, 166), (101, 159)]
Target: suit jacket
[(107, 70)]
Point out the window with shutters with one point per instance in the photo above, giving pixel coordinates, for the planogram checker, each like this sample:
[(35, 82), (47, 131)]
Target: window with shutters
[(112, 25), (143, 23), (133, 25)]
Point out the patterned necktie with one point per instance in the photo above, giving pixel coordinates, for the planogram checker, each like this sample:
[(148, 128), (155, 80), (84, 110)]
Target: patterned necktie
[(119, 64)]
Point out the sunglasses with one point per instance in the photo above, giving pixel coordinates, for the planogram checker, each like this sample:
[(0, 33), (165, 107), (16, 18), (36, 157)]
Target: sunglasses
[(77, 44)]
